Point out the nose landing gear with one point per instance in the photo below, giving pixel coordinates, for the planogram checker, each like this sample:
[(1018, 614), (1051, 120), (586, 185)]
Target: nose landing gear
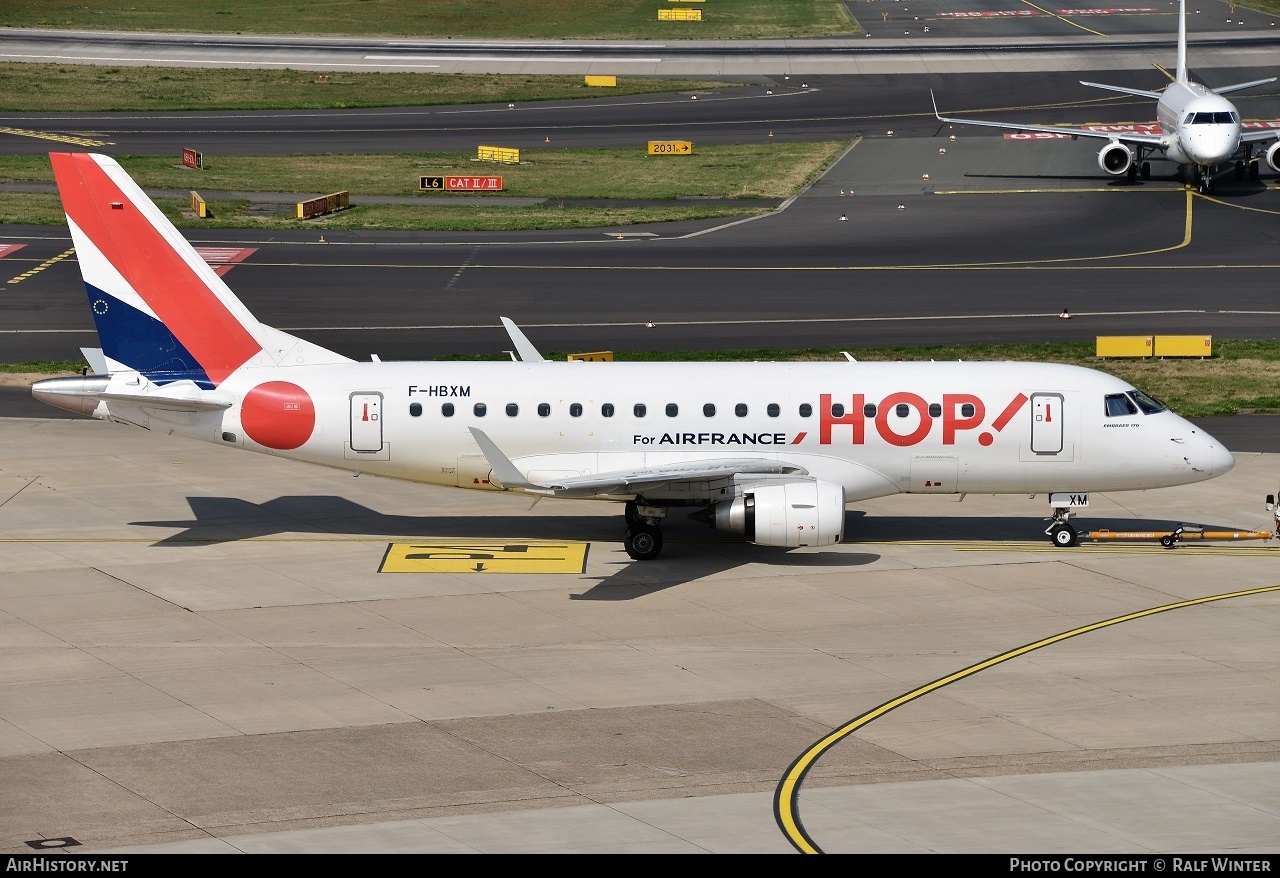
[(1060, 532)]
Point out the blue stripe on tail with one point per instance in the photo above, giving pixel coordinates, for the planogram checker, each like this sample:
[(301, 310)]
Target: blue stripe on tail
[(141, 342)]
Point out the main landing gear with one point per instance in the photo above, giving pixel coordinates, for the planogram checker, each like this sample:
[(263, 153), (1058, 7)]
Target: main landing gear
[(1060, 531), (643, 539)]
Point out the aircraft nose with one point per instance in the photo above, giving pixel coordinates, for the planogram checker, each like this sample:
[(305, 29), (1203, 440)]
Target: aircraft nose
[(1220, 460)]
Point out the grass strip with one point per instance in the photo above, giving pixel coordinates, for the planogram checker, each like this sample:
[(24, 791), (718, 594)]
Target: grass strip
[(47, 88), (466, 19), (763, 170)]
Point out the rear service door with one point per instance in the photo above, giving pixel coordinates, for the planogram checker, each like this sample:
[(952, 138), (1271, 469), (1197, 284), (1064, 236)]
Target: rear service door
[(366, 421)]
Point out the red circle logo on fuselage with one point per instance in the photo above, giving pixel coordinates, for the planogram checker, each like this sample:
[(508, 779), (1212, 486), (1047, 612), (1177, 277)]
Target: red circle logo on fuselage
[(278, 415)]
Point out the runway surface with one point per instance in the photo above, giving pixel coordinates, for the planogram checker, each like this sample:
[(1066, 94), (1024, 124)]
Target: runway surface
[(1001, 237)]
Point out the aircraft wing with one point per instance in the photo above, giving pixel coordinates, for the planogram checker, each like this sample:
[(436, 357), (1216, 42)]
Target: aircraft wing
[(1255, 135), (1125, 137), (629, 481)]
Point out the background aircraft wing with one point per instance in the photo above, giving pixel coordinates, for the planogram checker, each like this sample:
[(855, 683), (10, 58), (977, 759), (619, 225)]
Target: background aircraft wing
[(1122, 137)]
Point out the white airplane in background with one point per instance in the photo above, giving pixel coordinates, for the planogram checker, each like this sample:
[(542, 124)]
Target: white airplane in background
[(772, 451), (1199, 128)]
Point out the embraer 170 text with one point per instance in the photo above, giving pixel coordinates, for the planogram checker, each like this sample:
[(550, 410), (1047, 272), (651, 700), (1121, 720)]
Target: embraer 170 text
[(771, 451), (1199, 128)]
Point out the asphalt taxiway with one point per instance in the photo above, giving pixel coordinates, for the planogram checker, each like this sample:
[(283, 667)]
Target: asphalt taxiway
[(202, 655)]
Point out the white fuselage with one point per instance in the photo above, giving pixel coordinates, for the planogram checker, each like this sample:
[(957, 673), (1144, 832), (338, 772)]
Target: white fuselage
[(936, 427), (1203, 128)]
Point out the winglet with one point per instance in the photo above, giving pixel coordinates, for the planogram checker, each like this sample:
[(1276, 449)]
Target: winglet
[(528, 353), (935, 105), (502, 467)]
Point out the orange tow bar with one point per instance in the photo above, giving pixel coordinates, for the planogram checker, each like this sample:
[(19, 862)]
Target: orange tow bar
[(1171, 538)]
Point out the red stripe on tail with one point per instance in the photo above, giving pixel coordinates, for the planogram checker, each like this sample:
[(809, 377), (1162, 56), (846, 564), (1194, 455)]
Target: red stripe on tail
[(158, 272)]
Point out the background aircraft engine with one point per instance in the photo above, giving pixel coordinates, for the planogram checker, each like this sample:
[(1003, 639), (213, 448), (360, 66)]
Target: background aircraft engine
[(1273, 156), (1115, 159), (791, 514)]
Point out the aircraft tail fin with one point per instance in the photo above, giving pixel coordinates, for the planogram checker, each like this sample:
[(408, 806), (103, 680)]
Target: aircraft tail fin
[(158, 307), (1181, 74)]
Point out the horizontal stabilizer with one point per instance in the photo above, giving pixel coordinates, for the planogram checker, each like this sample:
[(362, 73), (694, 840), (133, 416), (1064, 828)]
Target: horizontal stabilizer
[(1139, 92), (1241, 86), (80, 393)]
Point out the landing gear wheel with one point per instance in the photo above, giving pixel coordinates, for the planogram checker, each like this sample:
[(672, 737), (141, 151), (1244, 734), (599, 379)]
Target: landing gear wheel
[(643, 542), (1167, 541), (629, 514), (1063, 536), (1146, 170), (1254, 168), (1132, 173), (1239, 170)]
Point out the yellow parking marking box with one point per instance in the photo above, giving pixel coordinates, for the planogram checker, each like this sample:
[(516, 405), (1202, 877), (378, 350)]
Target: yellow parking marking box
[(485, 556)]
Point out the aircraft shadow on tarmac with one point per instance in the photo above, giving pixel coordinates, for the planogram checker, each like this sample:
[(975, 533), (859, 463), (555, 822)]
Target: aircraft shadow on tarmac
[(229, 519), (1225, 185)]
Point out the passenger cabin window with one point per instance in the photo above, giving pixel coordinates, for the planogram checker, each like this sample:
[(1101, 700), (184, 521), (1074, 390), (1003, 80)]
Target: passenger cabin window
[(446, 409), (773, 410), (806, 410), (672, 410), (1149, 404), (837, 410), (575, 410), (709, 410), (512, 410), (1119, 406), (902, 410), (479, 409), (415, 409), (869, 410), (935, 410), (966, 410), (639, 410), (607, 410), (544, 409), (740, 409)]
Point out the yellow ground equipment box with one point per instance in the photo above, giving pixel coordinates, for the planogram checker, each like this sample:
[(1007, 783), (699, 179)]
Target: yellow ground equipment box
[(602, 80), (1184, 346), (1125, 345), (498, 154)]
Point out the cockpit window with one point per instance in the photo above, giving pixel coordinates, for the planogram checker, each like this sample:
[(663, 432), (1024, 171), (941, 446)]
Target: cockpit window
[(1221, 118), (1149, 404), (1119, 406)]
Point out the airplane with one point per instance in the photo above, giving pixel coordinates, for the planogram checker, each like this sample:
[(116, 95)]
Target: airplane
[(1199, 129), (772, 451)]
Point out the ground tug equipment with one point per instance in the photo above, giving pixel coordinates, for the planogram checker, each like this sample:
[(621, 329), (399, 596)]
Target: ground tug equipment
[(1170, 539)]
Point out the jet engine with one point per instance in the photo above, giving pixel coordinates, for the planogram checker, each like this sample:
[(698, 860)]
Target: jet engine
[(790, 514), (1115, 159), (1273, 156)]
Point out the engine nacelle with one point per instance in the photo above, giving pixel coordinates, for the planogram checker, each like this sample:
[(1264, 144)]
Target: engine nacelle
[(789, 515), (1115, 159), (1273, 156)]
